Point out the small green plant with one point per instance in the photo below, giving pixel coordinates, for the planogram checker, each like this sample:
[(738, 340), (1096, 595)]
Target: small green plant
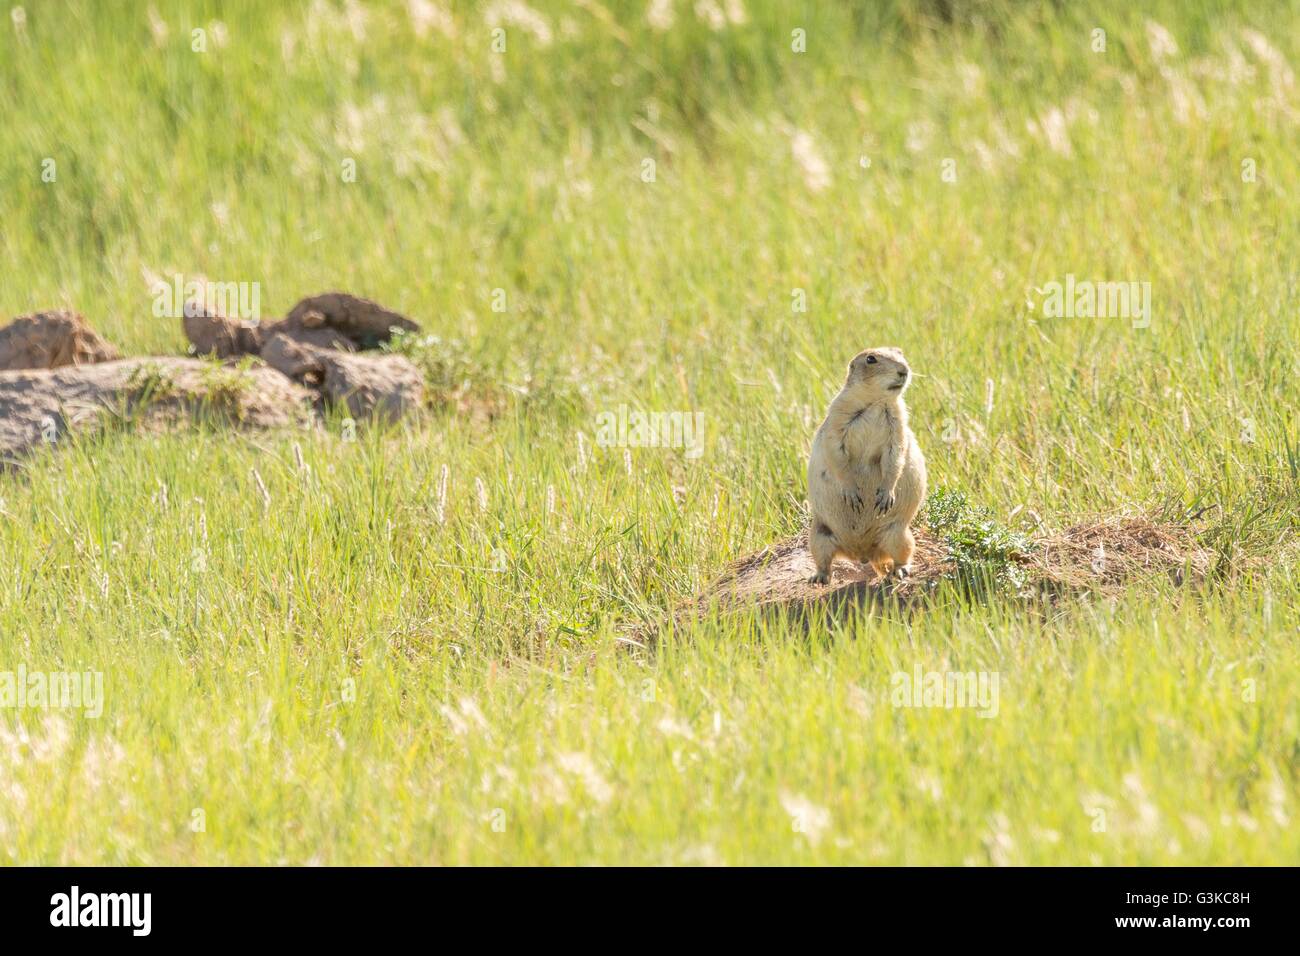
[(224, 387), (150, 383), (446, 363), (984, 551)]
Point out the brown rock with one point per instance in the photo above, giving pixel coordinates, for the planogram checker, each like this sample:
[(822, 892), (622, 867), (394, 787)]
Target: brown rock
[(51, 340), (293, 357), (321, 337), (213, 334), (334, 320), (42, 406), (364, 323), (388, 386)]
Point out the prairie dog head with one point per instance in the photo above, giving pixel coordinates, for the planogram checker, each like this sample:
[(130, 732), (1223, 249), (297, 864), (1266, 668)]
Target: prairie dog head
[(878, 375)]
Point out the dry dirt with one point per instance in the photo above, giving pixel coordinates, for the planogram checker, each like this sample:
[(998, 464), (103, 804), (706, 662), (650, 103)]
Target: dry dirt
[(1098, 555)]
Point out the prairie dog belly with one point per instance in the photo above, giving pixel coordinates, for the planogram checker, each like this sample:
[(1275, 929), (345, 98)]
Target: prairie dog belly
[(845, 501), (865, 438)]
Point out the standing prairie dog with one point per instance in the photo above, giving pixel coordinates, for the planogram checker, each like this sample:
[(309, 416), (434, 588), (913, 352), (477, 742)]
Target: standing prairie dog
[(866, 474)]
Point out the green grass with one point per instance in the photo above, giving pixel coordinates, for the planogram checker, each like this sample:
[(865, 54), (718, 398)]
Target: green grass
[(363, 672)]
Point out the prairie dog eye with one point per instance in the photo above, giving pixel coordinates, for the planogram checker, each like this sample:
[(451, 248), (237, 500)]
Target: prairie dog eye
[(871, 360)]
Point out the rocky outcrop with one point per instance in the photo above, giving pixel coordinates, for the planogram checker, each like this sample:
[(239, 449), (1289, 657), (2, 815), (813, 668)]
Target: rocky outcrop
[(365, 324), (320, 344), (387, 386), (216, 335), (51, 340), (42, 407), (58, 377), (332, 320)]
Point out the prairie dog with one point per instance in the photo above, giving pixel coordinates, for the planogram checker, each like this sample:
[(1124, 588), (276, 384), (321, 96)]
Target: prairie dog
[(866, 474)]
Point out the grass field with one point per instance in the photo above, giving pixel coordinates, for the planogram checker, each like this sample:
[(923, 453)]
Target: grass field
[(410, 654)]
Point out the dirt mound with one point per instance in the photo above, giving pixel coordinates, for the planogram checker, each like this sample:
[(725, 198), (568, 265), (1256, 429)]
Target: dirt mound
[(39, 407), (1110, 551), (1098, 555), (779, 574), (51, 340)]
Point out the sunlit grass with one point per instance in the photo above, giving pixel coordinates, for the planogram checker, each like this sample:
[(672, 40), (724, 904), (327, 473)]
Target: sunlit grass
[(368, 670)]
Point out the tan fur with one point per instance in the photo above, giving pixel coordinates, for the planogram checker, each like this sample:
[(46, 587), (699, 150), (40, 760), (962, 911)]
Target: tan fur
[(866, 474)]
